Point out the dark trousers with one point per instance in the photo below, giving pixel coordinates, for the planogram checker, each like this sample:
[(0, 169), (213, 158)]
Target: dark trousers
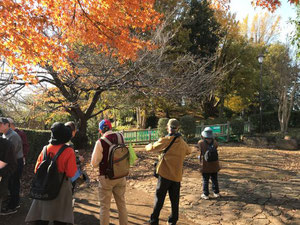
[(214, 180), (43, 222), (14, 185), (164, 186)]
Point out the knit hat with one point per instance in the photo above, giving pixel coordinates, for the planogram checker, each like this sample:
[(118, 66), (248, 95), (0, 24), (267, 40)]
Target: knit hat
[(60, 134), (207, 133), (173, 123), (104, 124)]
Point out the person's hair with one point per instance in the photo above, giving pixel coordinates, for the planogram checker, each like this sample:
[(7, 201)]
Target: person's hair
[(105, 128), (173, 130), (71, 124)]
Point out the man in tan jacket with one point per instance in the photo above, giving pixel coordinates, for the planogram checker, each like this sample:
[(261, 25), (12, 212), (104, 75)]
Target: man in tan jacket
[(169, 171)]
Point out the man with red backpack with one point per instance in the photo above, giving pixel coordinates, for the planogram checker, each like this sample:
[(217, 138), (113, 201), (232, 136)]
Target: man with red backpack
[(108, 186)]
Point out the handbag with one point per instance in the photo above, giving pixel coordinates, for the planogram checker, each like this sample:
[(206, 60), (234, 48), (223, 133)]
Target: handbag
[(160, 158)]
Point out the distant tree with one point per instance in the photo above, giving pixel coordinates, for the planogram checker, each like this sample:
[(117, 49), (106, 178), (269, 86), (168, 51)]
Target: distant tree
[(285, 80), (264, 28)]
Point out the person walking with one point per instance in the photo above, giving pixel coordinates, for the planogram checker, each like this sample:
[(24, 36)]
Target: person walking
[(209, 169), (108, 187), (8, 165), (14, 180), (169, 170), (59, 210)]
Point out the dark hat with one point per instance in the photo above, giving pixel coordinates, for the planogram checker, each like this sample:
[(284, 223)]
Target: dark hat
[(60, 134), (3, 120)]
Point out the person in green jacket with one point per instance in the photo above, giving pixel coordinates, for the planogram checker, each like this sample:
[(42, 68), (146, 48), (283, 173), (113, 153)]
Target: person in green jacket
[(169, 171)]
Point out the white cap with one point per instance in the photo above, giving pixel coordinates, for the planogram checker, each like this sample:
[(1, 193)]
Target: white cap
[(207, 133), (10, 120)]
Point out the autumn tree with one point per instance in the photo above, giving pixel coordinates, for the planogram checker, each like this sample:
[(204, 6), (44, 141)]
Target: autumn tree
[(41, 33)]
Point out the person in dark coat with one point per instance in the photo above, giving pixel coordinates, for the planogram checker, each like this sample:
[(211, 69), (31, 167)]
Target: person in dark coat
[(14, 184), (8, 165), (209, 170)]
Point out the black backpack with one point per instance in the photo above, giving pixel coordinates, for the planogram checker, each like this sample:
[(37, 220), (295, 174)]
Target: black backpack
[(47, 181), (211, 154)]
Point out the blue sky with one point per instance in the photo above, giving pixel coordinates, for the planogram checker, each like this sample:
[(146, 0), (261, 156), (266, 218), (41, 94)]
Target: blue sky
[(286, 11)]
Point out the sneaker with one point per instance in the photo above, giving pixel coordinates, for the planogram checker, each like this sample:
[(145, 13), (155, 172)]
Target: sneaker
[(18, 206), (217, 195), (5, 212), (73, 202), (204, 196)]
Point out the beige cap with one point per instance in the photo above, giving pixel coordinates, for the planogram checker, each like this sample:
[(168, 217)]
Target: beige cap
[(173, 123)]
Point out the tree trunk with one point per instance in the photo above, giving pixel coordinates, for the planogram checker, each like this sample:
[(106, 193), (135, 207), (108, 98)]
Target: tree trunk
[(81, 140), (286, 102)]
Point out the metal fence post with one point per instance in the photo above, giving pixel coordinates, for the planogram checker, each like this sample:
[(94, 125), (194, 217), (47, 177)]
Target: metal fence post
[(228, 131), (149, 134)]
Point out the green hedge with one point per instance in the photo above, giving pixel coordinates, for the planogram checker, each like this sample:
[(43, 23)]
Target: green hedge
[(188, 127), (37, 139), (270, 121)]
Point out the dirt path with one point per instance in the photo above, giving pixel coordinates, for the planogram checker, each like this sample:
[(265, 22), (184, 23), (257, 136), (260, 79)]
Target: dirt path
[(258, 186), (139, 206)]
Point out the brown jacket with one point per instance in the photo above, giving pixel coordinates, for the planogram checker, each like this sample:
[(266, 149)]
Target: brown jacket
[(207, 167), (171, 167)]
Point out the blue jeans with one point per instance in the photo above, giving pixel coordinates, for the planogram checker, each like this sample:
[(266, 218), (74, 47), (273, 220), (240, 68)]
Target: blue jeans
[(14, 185), (214, 180), (164, 186)]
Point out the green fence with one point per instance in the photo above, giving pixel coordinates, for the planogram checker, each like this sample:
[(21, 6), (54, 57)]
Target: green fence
[(221, 131), (140, 136)]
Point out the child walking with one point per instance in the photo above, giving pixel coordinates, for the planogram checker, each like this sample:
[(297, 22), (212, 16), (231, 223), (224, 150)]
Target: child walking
[(209, 163)]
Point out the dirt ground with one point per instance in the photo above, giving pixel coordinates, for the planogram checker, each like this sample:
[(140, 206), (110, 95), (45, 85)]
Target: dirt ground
[(258, 186)]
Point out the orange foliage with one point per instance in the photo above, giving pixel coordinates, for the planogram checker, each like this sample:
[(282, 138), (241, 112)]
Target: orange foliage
[(42, 32), (271, 5)]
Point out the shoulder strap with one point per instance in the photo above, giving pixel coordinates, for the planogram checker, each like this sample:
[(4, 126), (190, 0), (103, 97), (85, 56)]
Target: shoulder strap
[(59, 152), (120, 141), (107, 141), (167, 149), (45, 152)]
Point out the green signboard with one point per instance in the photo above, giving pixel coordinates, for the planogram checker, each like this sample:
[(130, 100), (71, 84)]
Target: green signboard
[(216, 129)]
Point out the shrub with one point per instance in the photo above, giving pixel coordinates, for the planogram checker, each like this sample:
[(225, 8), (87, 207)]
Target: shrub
[(152, 121), (37, 139), (295, 119), (188, 127), (269, 122), (237, 126), (162, 127), (218, 120), (92, 130)]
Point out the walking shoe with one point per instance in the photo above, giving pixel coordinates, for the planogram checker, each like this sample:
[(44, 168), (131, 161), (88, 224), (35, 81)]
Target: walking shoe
[(18, 206), (204, 196), (217, 195), (8, 211)]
